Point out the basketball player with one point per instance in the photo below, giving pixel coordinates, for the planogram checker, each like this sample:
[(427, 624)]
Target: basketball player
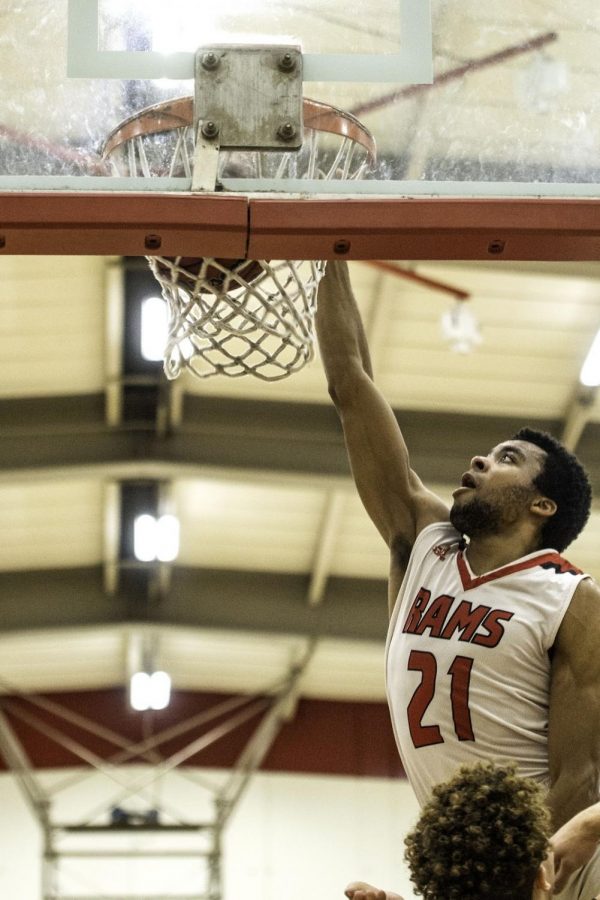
[(485, 834), (492, 645)]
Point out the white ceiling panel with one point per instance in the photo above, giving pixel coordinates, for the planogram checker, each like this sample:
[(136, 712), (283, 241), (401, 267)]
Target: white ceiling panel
[(219, 661), (51, 524), (360, 551), (70, 660), (225, 661), (535, 329), (346, 670), (248, 525), (52, 324)]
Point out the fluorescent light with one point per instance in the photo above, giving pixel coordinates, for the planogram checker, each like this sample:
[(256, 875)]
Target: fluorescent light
[(590, 371), (144, 538), (154, 328), (139, 691), (149, 691), (160, 690), (156, 538), (167, 538)]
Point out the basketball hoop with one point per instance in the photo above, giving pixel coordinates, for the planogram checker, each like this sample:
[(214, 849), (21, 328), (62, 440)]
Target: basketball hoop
[(239, 317)]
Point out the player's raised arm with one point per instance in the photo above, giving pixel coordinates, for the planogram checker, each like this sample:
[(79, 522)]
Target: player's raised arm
[(392, 493), (574, 724)]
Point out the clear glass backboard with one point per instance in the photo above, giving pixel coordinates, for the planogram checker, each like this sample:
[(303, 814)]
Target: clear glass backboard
[(462, 98)]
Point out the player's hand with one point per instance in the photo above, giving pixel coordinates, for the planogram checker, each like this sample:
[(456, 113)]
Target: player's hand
[(574, 845), (360, 890)]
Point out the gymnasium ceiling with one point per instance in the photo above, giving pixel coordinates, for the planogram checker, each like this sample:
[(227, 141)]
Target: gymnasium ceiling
[(275, 547)]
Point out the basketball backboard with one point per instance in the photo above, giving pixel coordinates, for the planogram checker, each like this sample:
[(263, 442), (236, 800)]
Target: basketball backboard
[(463, 100)]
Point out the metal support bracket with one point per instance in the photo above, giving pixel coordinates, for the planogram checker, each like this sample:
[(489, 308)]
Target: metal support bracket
[(246, 97), (205, 163)]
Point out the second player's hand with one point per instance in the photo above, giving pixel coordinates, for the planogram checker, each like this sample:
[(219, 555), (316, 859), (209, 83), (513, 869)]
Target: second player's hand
[(574, 844), (360, 890)]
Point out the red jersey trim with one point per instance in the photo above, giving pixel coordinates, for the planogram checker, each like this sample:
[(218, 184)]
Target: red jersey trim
[(545, 560)]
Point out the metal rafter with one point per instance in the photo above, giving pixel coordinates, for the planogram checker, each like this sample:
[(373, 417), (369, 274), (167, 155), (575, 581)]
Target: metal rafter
[(278, 702), (579, 414), (17, 760), (35, 796), (281, 710)]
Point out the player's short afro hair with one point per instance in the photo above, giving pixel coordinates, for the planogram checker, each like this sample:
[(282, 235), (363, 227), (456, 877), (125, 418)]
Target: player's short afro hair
[(564, 480), (481, 836)]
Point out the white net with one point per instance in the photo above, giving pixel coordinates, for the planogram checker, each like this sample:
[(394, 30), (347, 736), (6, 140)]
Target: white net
[(238, 317)]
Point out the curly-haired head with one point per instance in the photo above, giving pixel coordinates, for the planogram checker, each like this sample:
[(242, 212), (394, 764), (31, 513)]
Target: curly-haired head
[(481, 836), (564, 480)]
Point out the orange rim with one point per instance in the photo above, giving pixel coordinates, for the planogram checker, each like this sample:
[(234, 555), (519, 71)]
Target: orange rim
[(179, 113)]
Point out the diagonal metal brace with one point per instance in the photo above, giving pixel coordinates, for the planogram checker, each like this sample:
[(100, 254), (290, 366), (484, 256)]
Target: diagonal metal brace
[(259, 744)]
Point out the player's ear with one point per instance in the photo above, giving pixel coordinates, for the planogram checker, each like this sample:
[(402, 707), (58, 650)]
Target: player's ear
[(543, 506), (541, 880), (544, 880)]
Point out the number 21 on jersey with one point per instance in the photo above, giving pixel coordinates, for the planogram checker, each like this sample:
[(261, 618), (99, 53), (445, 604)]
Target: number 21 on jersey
[(460, 677)]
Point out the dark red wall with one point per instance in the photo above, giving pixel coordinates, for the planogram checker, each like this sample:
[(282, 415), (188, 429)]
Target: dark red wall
[(325, 736)]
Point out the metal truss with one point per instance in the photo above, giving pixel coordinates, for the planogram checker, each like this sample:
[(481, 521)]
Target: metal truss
[(107, 832)]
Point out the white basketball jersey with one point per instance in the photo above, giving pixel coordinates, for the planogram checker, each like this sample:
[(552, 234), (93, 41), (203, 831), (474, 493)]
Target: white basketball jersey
[(467, 662)]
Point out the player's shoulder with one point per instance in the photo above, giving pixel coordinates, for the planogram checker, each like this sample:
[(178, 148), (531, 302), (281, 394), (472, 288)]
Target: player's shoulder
[(442, 532), (582, 618), (587, 596), (578, 637), (437, 538)]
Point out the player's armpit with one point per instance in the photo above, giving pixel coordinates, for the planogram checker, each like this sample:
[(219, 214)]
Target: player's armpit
[(574, 718)]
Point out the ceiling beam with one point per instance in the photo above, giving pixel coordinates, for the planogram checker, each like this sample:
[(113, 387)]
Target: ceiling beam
[(253, 602), (55, 436)]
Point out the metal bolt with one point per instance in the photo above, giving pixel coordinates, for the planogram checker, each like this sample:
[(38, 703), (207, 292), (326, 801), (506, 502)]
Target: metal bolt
[(341, 247), (210, 60), (287, 62), (496, 247), (286, 132), (152, 241), (210, 129)]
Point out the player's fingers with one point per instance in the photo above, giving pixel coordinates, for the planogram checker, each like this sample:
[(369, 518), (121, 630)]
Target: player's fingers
[(361, 894)]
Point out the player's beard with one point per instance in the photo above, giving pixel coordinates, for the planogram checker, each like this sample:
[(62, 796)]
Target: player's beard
[(480, 518)]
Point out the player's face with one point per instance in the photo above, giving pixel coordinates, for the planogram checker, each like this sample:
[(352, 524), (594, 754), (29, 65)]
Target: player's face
[(498, 489)]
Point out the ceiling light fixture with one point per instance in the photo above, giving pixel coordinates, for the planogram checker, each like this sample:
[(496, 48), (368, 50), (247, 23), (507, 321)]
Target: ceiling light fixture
[(149, 690), (156, 539), (590, 370), (154, 329), (460, 328)]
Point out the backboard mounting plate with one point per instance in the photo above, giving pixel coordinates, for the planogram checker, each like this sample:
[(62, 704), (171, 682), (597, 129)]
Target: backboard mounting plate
[(250, 95)]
